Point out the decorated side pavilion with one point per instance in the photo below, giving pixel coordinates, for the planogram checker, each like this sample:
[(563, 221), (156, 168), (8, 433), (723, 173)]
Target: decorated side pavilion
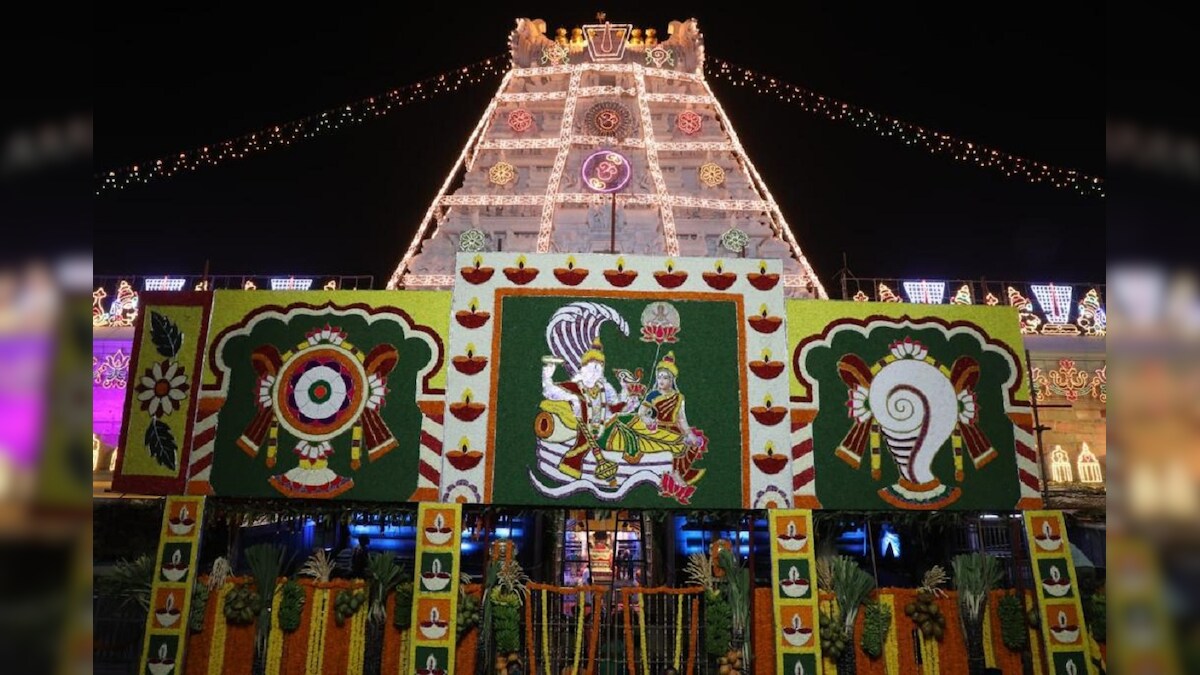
[(606, 419)]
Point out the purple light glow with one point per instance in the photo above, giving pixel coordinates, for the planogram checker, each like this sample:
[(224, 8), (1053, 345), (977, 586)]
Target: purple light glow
[(108, 402), (606, 171), (24, 370)]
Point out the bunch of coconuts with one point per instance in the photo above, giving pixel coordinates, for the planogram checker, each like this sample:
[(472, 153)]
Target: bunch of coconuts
[(833, 637), (731, 663), (927, 615)]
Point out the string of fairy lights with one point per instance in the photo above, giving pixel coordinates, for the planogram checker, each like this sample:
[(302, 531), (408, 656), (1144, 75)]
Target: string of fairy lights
[(490, 69), (288, 133), (936, 142)]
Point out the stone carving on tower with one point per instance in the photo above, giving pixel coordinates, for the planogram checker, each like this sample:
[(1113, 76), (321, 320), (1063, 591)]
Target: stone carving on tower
[(604, 139)]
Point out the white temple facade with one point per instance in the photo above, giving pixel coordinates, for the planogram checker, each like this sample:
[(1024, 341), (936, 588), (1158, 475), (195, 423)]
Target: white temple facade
[(607, 140)]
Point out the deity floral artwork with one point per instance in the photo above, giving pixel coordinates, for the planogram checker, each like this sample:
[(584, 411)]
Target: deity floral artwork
[(322, 395), (895, 407), (616, 380)]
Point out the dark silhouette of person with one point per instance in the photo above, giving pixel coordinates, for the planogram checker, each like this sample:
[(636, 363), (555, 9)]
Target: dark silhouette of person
[(358, 559)]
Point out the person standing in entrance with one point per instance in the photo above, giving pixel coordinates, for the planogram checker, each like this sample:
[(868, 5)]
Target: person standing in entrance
[(358, 559)]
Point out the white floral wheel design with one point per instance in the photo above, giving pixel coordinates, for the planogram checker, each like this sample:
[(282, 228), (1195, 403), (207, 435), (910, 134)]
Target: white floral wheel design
[(735, 240), (472, 241)]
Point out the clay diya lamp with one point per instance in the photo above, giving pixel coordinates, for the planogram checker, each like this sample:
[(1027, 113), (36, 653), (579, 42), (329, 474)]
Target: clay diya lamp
[(181, 525), (670, 278), (797, 634), (431, 667), (794, 586), (768, 414), (761, 280), (791, 539), (160, 664), (435, 580), (520, 275), (1056, 586), (176, 569), (472, 318), (720, 279), (463, 457), (768, 462), (570, 275), (470, 363), (477, 274), (764, 323), (766, 368), (1064, 632), (1047, 540), (168, 614), (466, 410), (438, 533), (620, 277)]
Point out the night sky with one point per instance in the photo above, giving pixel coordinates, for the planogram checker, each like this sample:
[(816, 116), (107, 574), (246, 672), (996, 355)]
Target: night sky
[(1027, 80)]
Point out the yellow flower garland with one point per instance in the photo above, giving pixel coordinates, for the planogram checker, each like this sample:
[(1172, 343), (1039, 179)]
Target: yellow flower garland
[(642, 633), (316, 630), (578, 635), (891, 644), (358, 642), (678, 630), (929, 650), (545, 632), (1035, 649), (989, 649), (216, 652), (275, 639)]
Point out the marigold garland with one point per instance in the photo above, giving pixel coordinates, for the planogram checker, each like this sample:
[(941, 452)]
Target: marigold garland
[(316, 630), (358, 644), (216, 657), (891, 645), (579, 610), (275, 640)]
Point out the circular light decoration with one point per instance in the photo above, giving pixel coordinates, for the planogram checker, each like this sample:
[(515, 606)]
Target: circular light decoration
[(711, 174), (689, 122), (609, 118), (606, 171), (322, 391), (520, 120), (472, 241), (502, 173), (735, 240)]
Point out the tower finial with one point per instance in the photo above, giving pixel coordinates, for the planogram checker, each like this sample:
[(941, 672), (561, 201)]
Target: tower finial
[(601, 16)]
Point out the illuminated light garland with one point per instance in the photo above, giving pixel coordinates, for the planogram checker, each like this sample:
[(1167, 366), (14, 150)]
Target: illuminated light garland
[(910, 134), (112, 372), (291, 284), (666, 213), (702, 99), (282, 135), (925, 292), (546, 226), (163, 283), (888, 295), (963, 296), (757, 182), (415, 245)]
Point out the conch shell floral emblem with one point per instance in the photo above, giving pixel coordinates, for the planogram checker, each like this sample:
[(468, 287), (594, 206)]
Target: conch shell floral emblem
[(914, 404)]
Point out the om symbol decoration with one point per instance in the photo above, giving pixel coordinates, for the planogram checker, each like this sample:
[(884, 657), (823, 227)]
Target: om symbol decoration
[(609, 118), (606, 171)]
